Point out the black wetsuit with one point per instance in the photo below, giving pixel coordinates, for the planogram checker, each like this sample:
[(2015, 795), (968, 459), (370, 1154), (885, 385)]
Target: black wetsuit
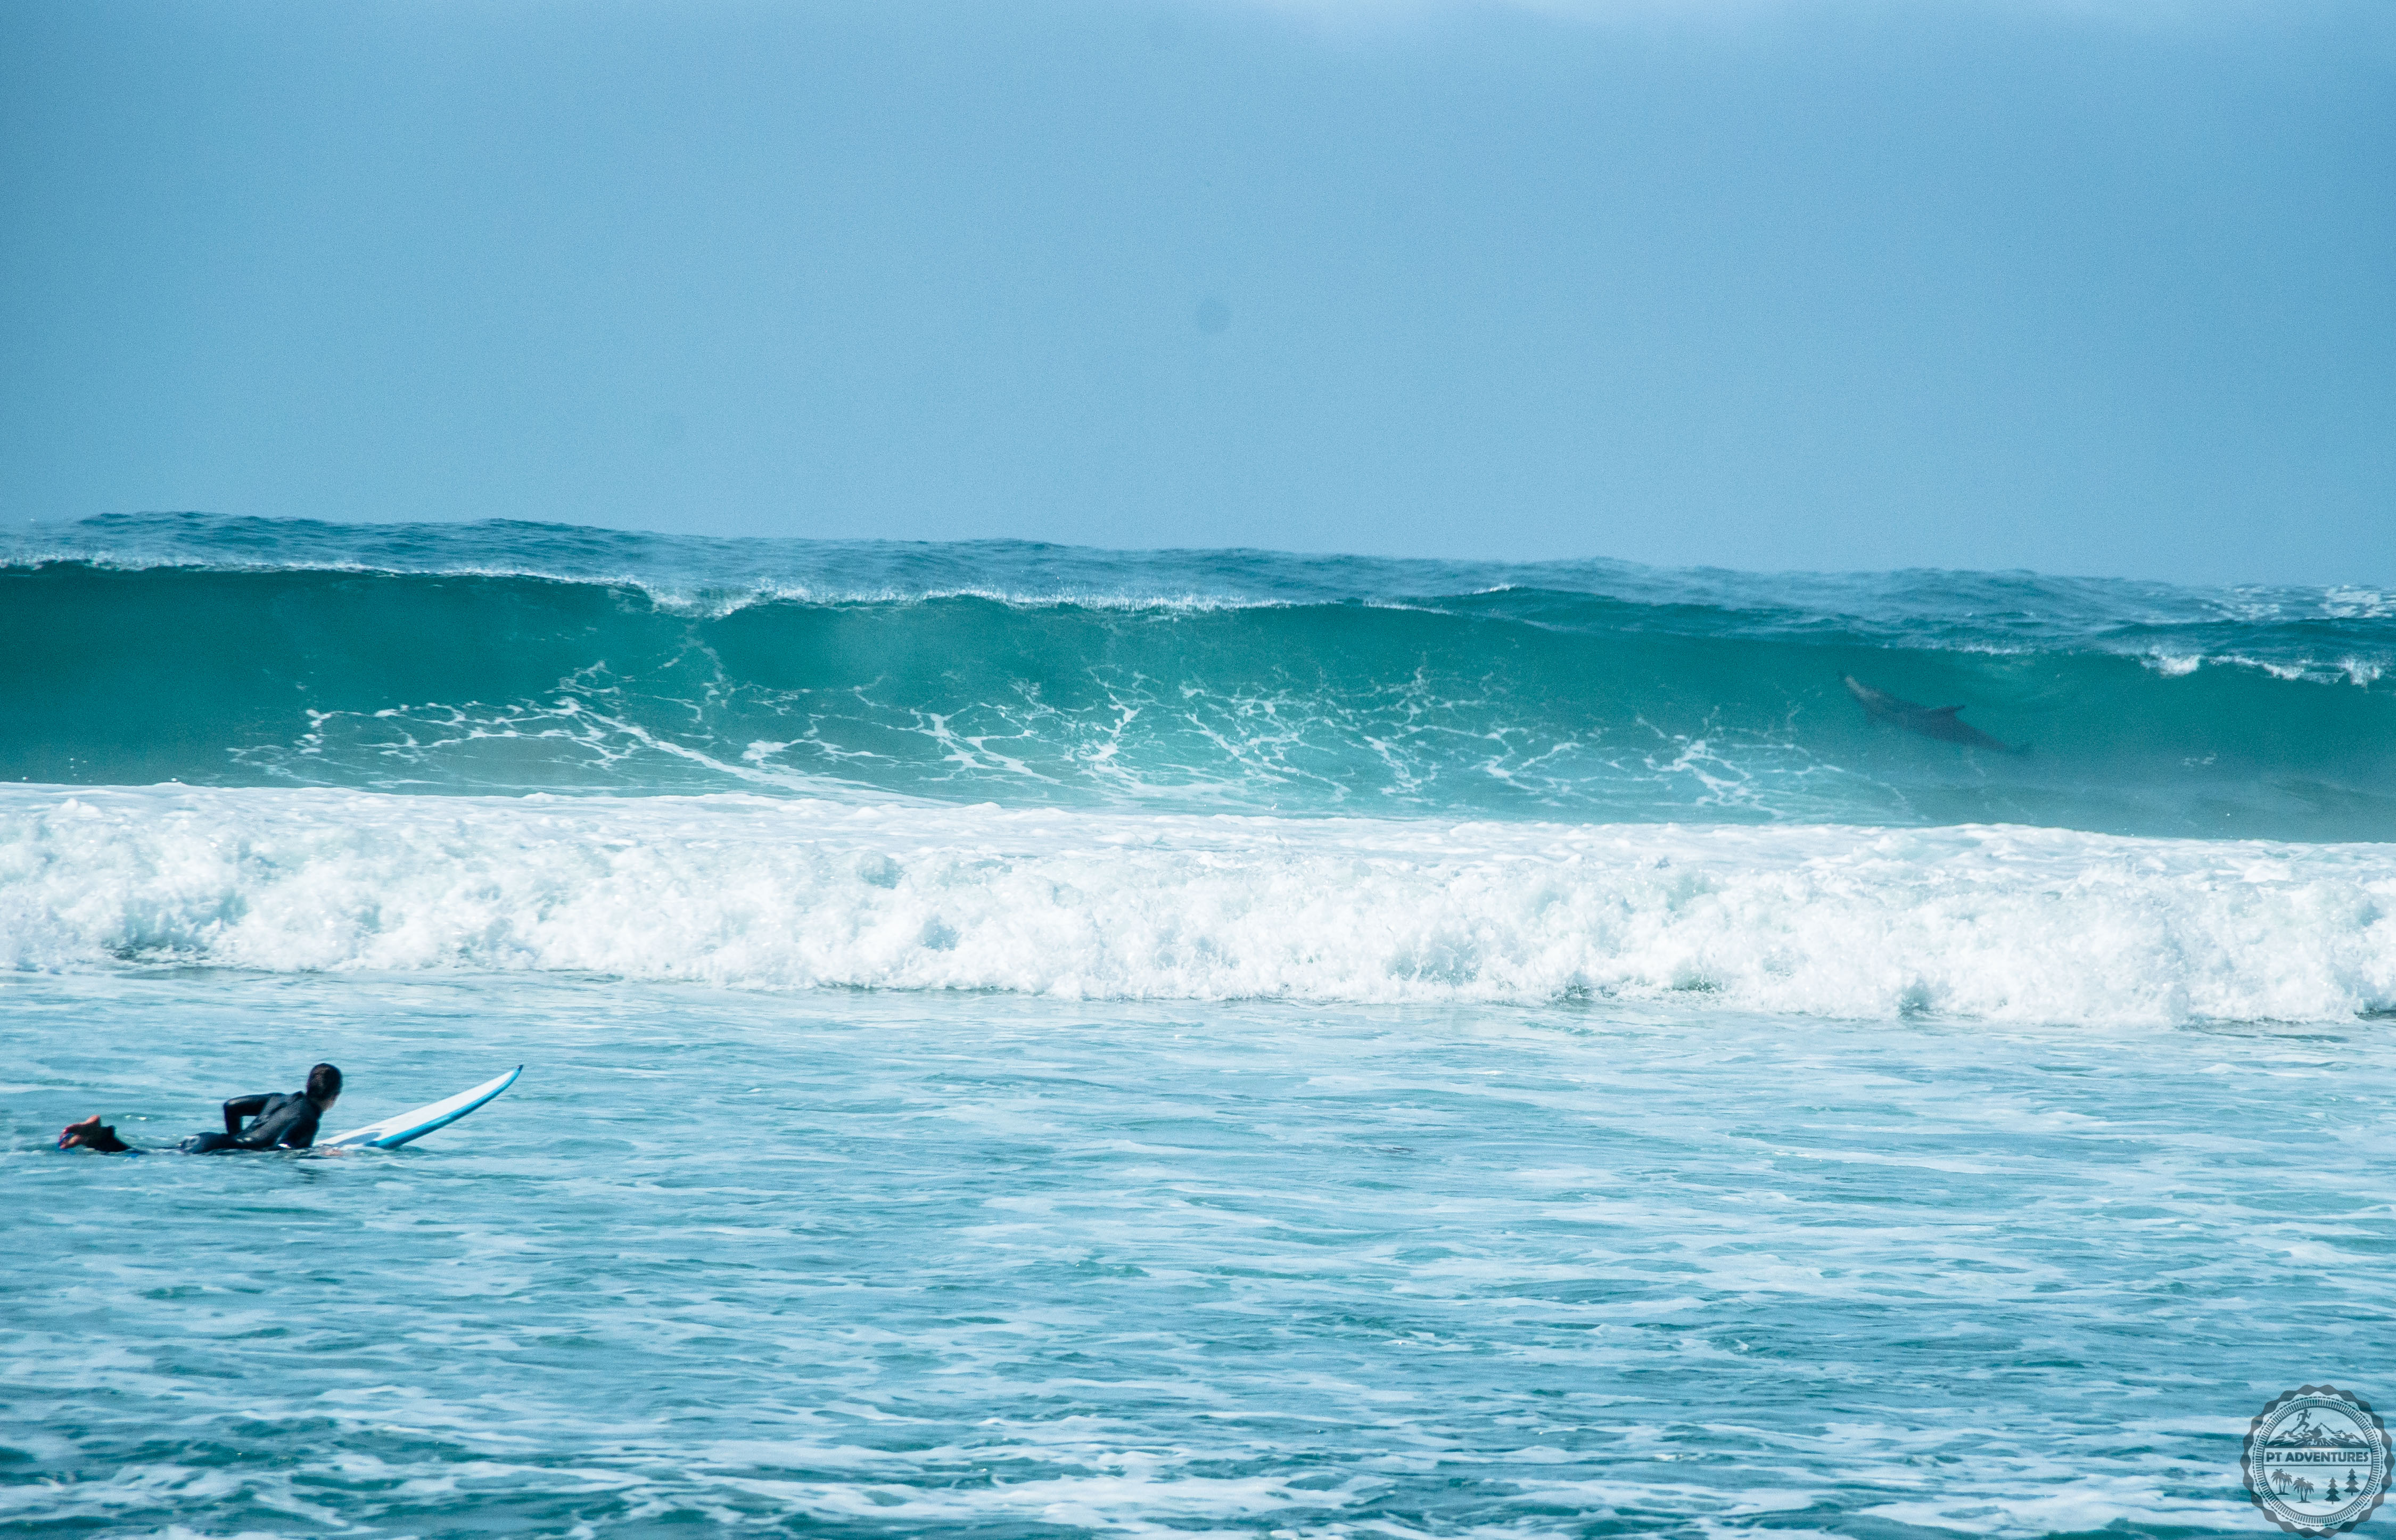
[(286, 1121)]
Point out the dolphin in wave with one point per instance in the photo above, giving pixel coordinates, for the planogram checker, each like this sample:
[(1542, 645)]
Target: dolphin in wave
[(1933, 722)]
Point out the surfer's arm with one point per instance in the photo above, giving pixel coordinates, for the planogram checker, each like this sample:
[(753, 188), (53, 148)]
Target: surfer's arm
[(240, 1108)]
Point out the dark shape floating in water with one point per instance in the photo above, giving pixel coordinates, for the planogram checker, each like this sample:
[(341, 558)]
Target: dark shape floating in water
[(1933, 722)]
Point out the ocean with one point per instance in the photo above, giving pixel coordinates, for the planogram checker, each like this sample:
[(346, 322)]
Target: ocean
[(1035, 1041)]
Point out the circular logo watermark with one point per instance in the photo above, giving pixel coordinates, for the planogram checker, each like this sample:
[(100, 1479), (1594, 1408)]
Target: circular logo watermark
[(2316, 1460)]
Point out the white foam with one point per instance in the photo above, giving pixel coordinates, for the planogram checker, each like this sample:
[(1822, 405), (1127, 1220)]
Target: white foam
[(1997, 923), (2172, 665)]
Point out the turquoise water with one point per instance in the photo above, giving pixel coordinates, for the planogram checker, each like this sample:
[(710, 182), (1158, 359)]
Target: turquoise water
[(1036, 1041), (911, 1263), (525, 658)]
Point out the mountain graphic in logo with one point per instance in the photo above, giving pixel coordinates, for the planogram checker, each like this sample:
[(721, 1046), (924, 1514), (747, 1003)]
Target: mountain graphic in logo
[(2302, 1432)]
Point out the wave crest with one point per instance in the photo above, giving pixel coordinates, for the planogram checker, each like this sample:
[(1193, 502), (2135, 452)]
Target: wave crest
[(1517, 705)]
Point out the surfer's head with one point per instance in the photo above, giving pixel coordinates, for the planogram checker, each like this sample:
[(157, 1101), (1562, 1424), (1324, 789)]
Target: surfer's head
[(323, 1085)]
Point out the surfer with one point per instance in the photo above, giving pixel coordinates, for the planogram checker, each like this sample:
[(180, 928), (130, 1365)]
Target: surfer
[(272, 1120)]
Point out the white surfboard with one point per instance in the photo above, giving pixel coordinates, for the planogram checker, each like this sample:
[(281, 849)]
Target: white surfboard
[(392, 1133)]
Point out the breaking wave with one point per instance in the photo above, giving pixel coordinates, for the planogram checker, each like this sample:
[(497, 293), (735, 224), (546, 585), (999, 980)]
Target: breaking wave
[(781, 893), (513, 659)]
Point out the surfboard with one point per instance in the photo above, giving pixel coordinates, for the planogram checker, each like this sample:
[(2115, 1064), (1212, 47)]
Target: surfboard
[(392, 1133)]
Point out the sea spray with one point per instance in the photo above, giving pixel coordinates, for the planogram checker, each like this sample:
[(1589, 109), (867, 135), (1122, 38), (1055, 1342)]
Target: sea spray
[(1999, 923)]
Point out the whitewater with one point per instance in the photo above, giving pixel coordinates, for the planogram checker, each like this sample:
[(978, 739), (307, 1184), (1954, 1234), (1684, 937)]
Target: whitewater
[(1988, 923), (1032, 1040)]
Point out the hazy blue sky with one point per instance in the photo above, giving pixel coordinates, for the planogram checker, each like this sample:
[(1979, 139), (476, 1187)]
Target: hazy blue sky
[(2089, 287)]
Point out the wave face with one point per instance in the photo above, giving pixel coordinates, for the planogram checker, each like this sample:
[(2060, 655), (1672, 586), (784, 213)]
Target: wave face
[(1994, 923), (506, 657)]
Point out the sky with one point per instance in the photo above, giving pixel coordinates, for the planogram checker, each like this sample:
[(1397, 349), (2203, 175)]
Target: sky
[(2088, 288)]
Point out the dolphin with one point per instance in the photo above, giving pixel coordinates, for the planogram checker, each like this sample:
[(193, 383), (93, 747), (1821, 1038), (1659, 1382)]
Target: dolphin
[(1932, 722)]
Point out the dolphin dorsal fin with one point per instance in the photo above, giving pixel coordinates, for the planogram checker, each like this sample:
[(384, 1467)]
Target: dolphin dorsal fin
[(1945, 711)]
